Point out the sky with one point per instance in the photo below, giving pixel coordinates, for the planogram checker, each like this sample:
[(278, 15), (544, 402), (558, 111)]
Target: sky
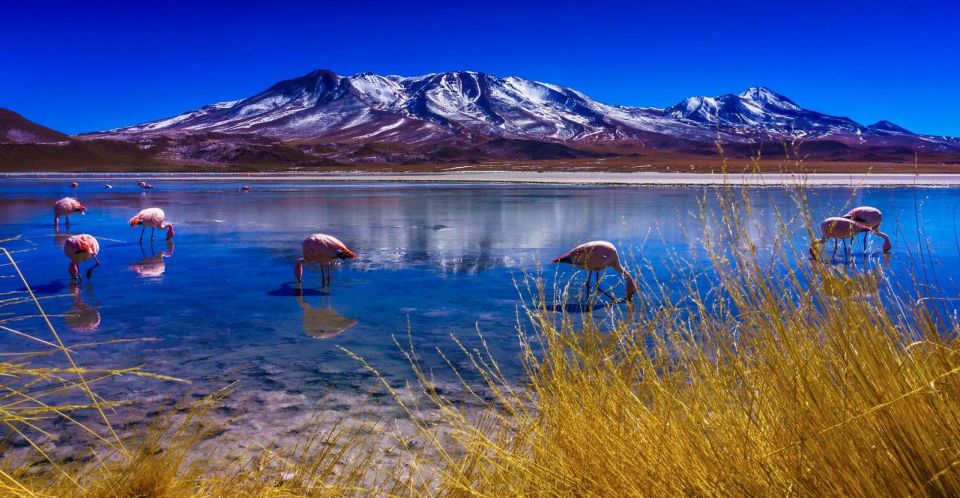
[(79, 66)]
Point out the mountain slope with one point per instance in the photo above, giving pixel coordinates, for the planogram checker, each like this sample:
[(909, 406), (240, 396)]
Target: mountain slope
[(16, 129)]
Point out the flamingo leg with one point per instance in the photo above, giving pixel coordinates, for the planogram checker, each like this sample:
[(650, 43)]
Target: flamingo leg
[(587, 287), (329, 274), (68, 221), (834, 248), (152, 231), (323, 276), (141, 232)]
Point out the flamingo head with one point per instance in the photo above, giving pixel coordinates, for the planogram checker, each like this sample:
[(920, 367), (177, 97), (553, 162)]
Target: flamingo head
[(815, 249), (74, 270), (81, 209), (169, 231), (135, 221), (345, 253), (298, 270)]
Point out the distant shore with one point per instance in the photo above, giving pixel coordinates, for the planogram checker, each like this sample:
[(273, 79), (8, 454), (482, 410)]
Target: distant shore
[(554, 178)]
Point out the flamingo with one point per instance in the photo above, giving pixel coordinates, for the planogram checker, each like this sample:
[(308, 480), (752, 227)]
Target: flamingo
[(64, 207), (323, 249), (153, 218), (245, 188), (842, 229), (596, 256), (80, 248), (74, 184), (868, 216)]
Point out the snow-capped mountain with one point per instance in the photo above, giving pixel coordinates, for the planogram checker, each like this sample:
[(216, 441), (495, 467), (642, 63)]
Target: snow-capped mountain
[(371, 107), (472, 107), (761, 110)]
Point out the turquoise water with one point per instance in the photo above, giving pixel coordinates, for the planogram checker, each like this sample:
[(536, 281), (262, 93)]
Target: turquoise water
[(435, 261)]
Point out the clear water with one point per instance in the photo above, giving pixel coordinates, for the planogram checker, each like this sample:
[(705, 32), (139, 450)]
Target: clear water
[(435, 261)]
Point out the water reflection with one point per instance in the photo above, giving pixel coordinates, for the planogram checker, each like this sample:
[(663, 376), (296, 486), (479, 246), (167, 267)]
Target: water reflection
[(323, 322), (83, 316), (60, 237), (154, 265)]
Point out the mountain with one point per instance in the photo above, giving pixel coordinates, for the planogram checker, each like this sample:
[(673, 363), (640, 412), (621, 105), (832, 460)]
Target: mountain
[(322, 118), (760, 110), (467, 109), (16, 129)]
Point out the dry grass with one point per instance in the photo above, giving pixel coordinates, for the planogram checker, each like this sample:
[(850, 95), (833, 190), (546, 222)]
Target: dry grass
[(805, 385), (815, 382)]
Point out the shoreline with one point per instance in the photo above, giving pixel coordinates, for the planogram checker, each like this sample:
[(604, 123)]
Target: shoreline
[(545, 178)]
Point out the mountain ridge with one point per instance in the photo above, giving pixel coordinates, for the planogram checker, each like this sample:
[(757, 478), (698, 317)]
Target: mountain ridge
[(322, 117), (469, 104)]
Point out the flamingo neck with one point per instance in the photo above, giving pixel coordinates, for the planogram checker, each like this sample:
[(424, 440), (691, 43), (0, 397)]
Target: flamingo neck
[(169, 231), (74, 269), (886, 241), (298, 270), (628, 280)]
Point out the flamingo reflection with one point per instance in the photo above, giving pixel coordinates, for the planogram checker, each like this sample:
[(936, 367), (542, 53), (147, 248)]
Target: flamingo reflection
[(322, 322), (154, 265), (82, 317)]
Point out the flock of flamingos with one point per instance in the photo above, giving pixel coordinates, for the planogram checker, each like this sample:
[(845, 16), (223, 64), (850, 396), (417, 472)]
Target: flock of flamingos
[(326, 250)]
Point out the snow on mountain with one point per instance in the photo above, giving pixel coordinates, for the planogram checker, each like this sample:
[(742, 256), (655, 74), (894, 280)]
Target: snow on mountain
[(469, 107), (763, 111)]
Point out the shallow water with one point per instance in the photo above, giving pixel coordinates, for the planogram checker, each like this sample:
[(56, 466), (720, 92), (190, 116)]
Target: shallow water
[(435, 261)]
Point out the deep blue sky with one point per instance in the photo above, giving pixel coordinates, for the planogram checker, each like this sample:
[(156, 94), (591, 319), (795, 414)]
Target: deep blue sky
[(86, 65)]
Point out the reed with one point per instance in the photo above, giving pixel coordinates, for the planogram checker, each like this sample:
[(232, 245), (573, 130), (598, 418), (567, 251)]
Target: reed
[(820, 381)]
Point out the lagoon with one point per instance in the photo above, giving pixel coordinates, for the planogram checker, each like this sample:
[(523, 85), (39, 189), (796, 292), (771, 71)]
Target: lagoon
[(436, 262)]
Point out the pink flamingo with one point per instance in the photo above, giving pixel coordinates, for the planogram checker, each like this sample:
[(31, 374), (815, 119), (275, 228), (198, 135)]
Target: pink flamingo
[(74, 184), (64, 207), (323, 249), (842, 229), (153, 218), (868, 216), (80, 248), (595, 257)]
